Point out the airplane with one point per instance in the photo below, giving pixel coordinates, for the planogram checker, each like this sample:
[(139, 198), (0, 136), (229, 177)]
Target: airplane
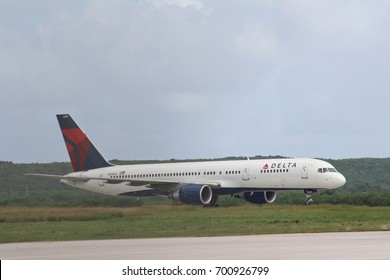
[(196, 183)]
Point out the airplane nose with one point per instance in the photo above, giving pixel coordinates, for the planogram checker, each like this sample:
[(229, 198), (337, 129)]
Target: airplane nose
[(341, 180)]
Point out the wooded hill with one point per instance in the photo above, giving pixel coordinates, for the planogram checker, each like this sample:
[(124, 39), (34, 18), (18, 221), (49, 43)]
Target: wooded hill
[(368, 183)]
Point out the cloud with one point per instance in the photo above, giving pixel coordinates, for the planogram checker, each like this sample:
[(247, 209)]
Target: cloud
[(188, 102), (181, 3), (257, 42), (244, 73)]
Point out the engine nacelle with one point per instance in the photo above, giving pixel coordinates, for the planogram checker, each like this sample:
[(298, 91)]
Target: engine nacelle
[(258, 197), (194, 194)]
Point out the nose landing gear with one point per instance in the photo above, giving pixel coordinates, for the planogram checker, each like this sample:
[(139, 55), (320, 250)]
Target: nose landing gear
[(308, 193)]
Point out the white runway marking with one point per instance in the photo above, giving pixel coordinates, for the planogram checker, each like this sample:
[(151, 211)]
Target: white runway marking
[(306, 246)]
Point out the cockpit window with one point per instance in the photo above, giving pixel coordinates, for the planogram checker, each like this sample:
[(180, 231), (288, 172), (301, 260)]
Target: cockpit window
[(326, 169)]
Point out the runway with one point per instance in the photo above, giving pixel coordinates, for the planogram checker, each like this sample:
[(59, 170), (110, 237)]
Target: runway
[(308, 246)]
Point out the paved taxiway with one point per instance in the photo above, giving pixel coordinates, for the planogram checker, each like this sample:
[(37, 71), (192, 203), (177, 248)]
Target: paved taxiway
[(308, 246)]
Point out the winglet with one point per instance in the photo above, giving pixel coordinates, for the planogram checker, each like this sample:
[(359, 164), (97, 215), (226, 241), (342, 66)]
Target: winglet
[(83, 154)]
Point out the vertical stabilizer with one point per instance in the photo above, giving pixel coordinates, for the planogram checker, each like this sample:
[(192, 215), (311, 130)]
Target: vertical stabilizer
[(83, 154)]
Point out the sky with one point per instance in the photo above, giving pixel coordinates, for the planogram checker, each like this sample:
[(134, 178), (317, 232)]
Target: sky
[(190, 79)]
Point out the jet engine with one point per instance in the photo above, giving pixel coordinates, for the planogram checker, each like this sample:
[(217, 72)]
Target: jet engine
[(195, 194), (258, 197)]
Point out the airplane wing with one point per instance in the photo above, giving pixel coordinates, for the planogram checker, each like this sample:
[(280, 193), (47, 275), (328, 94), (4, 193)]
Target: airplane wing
[(155, 184), (61, 177)]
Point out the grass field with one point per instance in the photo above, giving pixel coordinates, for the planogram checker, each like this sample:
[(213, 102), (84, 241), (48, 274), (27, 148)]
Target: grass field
[(21, 224)]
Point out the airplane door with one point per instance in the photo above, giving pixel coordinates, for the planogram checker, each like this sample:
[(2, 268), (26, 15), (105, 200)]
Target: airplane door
[(305, 174), (245, 173), (101, 182)]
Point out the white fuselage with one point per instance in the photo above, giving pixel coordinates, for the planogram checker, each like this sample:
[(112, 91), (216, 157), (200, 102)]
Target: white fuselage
[(225, 177)]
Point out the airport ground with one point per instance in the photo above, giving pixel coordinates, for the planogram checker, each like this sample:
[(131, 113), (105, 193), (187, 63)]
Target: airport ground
[(371, 245), (26, 224)]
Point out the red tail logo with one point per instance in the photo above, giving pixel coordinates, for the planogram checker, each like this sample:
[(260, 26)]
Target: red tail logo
[(78, 146)]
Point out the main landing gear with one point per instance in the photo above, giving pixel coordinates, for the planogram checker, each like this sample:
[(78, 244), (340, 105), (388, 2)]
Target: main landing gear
[(308, 193), (213, 202)]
